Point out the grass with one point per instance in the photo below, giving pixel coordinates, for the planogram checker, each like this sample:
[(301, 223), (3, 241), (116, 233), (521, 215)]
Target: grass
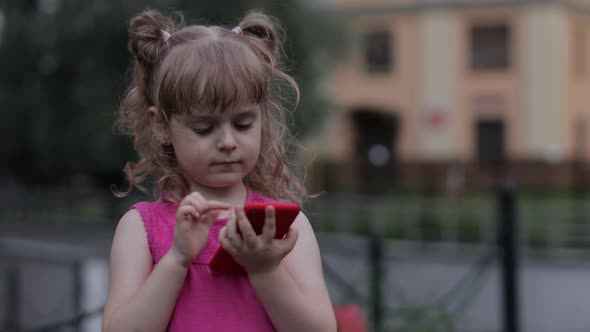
[(545, 220)]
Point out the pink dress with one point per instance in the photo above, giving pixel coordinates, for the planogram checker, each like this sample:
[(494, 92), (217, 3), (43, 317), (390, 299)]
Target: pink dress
[(208, 301)]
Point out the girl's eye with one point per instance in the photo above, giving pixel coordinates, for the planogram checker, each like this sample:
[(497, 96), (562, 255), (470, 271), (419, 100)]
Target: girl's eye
[(203, 131), (243, 126)]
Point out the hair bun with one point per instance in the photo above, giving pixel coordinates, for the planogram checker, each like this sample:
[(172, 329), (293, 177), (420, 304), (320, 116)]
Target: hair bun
[(146, 40), (263, 28)]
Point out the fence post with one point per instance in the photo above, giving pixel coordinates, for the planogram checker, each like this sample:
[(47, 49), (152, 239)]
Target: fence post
[(77, 270), (507, 241), (12, 301), (376, 275)]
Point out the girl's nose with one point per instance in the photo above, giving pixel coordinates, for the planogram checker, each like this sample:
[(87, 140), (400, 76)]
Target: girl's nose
[(227, 142)]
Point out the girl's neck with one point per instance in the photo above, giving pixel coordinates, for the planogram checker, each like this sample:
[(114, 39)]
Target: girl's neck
[(234, 195)]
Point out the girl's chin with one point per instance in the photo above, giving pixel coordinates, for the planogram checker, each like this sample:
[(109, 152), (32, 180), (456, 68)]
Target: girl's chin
[(219, 183)]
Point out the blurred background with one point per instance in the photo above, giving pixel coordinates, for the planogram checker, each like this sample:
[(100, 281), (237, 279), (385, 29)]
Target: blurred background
[(446, 140)]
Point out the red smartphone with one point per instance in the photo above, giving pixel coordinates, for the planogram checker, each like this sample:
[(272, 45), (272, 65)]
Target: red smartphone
[(285, 214)]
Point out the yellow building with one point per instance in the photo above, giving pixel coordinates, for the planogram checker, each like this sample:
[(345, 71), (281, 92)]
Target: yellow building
[(461, 82)]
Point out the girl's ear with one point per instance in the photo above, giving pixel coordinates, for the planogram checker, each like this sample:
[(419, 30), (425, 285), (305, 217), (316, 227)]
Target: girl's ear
[(159, 125)]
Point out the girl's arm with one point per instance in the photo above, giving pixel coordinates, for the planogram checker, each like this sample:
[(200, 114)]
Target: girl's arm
[(294, 294), (140, 299)]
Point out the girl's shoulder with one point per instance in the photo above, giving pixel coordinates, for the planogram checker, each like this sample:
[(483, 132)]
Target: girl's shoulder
[(158, 218), (159, 208)]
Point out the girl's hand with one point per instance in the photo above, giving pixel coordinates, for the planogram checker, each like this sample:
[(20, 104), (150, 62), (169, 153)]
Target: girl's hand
[(194, 218), (256, 253)]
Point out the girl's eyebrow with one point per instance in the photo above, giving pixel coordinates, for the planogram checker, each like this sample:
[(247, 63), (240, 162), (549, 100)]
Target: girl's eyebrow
[(201, 117), (246, 111), (251, 108)]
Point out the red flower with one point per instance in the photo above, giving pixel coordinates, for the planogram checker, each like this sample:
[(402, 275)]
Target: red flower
[(350, 318)]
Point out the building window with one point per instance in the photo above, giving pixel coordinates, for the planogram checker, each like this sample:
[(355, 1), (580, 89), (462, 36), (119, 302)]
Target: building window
[(379, 54), (490, 47), (490, 142)]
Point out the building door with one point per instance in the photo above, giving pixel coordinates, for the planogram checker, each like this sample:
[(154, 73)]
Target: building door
[(375, 158), (491, 150)]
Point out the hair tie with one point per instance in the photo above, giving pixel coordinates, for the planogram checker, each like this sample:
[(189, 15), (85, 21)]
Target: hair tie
[(237, 30), (165, 35)]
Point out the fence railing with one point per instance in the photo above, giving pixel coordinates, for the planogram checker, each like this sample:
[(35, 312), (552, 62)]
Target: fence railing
[(19, 259), (547, 221), (546, 224)]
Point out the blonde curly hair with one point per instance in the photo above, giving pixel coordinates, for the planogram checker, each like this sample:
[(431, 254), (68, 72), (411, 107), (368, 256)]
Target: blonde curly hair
[(178, 69)]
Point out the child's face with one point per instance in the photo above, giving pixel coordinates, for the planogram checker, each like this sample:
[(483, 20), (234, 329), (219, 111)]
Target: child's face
[(217, 149)]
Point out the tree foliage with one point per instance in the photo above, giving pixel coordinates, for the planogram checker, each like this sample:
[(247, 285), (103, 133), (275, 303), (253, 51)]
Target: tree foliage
[(64, 68)]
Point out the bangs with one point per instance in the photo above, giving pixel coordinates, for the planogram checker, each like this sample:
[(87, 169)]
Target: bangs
[(217, 76)]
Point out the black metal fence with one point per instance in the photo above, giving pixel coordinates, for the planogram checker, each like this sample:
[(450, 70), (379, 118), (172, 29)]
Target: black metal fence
[(18, 255), (435, 315), (494, 224)]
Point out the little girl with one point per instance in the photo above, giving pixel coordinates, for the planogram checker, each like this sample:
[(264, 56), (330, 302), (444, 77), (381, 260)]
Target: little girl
[(204, 115)]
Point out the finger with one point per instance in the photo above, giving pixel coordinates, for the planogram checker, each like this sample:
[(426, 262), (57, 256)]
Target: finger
[(225, 242), (248, 234), (188, 212), (217, 205), (192, 197), (232, 230), (213, 213), (196, 195), (269, 229), (288, 243), (209, 218), (199, 204)]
